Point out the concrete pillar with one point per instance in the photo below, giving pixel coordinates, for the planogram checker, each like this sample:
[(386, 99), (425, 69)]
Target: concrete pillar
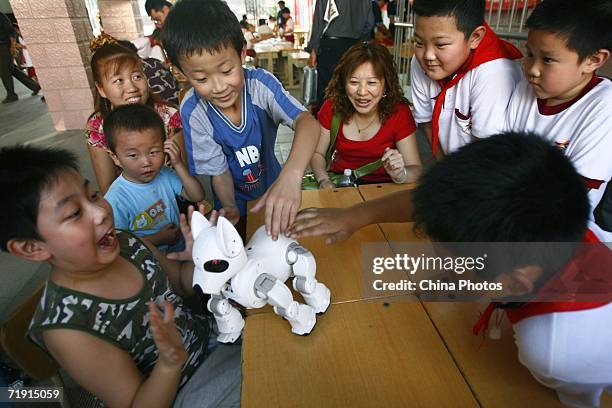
[(57, 34), (121, 18)]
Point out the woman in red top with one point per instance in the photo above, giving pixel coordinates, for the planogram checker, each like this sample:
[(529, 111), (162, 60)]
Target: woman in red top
[(376, 122)]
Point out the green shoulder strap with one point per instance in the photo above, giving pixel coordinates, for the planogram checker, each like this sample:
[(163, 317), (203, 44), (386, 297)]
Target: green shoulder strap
[(333, 135)]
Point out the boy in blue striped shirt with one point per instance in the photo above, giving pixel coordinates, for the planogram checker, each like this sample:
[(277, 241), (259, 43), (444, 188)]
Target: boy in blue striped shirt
[(231, 116)]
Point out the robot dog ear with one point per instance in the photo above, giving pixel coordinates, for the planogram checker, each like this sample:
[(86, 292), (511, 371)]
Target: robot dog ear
[(228, 239), (198, 224)]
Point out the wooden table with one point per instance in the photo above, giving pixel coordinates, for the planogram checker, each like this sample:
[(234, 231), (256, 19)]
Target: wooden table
[(362, 353), (492, 369), (298, 59), (339, 265)]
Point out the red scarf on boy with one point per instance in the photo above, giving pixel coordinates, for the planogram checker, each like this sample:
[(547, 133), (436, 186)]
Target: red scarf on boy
[(490, 48), (591, 266)]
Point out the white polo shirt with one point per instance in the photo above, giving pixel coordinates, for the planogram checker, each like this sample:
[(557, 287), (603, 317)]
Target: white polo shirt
[(474, 108), (582, 128)]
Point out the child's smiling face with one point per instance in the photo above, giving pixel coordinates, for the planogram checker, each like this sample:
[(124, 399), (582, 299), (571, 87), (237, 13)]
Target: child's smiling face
[(217, 76), (76, 225), (440, 48)]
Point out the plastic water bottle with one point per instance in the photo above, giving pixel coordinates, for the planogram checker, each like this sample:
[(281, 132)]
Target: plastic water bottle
[(347, 179)]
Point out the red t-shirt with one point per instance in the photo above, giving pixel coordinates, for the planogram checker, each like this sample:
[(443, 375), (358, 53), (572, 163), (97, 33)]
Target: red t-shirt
[(351, 154)]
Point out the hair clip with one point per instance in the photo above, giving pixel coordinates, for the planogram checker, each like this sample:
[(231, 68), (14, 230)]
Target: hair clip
[(100, 41)]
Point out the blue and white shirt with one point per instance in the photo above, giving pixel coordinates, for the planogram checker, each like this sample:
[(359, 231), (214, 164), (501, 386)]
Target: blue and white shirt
[(215, 144), (145, 208)]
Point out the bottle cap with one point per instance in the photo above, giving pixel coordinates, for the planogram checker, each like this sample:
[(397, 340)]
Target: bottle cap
[(348, 172)]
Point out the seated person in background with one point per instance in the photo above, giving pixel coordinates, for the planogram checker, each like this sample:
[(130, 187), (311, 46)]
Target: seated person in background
[(462, 75), (232, 114), (120, 80), (272, 24), (263, 30), (376, 123), (143, 197), (286, 29), (562, 98), (157, 11), (249, 38), (510, 188), (99, 315)]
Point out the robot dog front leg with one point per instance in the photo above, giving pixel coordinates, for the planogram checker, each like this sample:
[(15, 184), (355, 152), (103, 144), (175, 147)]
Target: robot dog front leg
[(301, 317), (229, 320), (304, 268)]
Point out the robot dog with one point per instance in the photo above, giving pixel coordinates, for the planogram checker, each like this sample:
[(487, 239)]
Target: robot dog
[(254, 277)]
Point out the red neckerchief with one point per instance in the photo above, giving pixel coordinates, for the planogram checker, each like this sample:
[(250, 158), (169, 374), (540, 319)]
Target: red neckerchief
[(490, 48), (565, 282)]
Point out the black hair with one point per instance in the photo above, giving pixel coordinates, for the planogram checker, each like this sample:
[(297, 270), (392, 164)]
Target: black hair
[(129, 45), (586, 26), (285, 10), (25, 173), (281, 2), (195, 26), (156, 5), (132, 117), (511, 187), (468, 14)]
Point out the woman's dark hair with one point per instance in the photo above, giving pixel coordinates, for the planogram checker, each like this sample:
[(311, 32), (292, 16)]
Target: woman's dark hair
[(384, 67)]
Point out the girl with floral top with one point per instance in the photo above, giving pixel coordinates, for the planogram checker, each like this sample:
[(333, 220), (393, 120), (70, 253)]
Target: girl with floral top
[(119, 80)]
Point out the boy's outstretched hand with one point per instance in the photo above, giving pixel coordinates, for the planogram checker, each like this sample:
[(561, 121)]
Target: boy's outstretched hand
[(282, 202), (336, 223), (172, 353)]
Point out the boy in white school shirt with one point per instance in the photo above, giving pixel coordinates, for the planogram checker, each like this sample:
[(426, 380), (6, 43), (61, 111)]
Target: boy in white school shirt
[(561, 97), (465, 74)]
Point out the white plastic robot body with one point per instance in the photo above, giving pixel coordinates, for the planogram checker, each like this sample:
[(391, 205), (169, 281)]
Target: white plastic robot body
[(270, 253), (223, 269)]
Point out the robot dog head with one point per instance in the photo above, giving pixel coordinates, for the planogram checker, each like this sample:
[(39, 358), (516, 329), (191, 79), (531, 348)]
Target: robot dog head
[(218, 253)]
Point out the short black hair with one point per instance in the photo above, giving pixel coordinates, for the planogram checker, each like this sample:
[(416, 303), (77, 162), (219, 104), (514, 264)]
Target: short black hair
[(468, 14), (25, 173), (131, 117), (156, 5), (194, 26), (511, 187), (281, 2), (586, 26)]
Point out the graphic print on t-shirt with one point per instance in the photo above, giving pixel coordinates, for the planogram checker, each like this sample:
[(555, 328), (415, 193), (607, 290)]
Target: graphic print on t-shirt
[(251, 167), (150, 217)]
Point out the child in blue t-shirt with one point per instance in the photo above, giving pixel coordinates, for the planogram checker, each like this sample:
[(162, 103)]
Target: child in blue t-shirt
[(231, 116), (143, 197)]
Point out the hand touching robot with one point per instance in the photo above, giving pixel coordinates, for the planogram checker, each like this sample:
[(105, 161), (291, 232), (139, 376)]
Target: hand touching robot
[(254, 277)]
